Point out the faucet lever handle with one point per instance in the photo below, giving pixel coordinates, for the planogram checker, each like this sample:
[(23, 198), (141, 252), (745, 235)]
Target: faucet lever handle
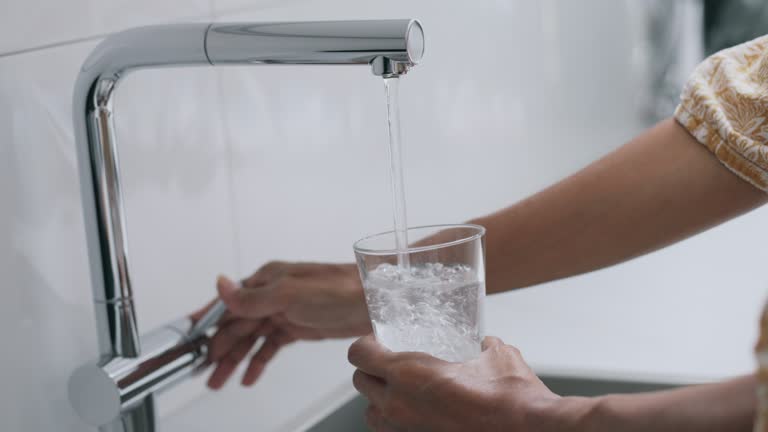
[(208, 320)]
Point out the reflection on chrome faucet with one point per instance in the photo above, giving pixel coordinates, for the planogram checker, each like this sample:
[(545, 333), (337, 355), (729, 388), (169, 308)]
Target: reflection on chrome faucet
[(116, 393)]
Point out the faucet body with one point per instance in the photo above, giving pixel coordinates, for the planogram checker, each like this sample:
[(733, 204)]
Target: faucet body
[(116, 392)]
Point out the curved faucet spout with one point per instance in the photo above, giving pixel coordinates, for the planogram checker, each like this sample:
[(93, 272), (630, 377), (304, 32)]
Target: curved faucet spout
[(397, 43)]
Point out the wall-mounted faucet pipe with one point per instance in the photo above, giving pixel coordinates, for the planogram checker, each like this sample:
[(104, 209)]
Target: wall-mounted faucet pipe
[(124, 373)]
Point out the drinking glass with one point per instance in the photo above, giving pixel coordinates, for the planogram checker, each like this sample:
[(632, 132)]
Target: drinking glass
[(429, 296)]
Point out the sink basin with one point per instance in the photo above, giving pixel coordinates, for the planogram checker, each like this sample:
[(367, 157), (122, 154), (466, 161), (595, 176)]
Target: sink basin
[(349, 417)]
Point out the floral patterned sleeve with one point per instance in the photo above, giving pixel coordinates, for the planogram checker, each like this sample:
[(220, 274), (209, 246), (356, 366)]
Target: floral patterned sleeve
[(725, 107)]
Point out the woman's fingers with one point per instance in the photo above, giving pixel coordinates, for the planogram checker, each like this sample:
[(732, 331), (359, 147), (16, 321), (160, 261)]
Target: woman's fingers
[(371, 387), (490, 342), (229, 335), (369, 356), (265, 353), (231, 344), (376, 421), (227, 365), (373, 417)]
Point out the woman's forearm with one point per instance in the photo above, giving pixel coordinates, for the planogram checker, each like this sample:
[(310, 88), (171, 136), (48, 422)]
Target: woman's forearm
[(727, 406), (659, 188)]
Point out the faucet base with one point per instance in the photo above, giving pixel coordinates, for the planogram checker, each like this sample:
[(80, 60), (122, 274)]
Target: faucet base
[(140, 418), (116, 393)]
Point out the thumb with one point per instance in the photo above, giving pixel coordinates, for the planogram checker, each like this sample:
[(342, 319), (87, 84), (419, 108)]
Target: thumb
[(228, 293), (246, 302), (226, 287), (491, 342)]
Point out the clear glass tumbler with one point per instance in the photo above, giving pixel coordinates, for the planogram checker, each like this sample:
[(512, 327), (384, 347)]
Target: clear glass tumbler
[(433, 300)]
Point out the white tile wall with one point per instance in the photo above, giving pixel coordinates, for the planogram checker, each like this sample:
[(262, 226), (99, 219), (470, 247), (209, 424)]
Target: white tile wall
[(47, 324), (28, 24), (227, 168)]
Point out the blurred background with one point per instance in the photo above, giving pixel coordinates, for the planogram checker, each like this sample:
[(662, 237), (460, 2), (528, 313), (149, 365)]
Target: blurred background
[(226, 168)]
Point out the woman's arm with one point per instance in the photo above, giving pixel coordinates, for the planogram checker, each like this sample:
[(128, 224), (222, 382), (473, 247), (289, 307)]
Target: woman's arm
[(726, 406), (660, 188)]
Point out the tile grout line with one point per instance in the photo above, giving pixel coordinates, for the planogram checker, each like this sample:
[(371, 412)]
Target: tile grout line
[(211, 16), (227, 137), (54, 45)]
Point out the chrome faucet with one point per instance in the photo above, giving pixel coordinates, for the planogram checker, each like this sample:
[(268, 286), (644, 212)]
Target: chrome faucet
[(116, 392)]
